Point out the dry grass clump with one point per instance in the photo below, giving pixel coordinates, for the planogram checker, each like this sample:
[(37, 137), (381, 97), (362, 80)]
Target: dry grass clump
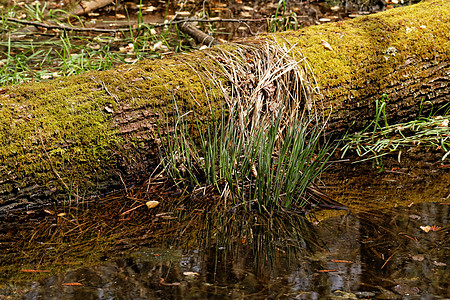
[(264, 149), (267, 82)]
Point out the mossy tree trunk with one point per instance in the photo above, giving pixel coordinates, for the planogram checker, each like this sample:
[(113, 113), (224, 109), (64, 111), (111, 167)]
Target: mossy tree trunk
[(87, 134)]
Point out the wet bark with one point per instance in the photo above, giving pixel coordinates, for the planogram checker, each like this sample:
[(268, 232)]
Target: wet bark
[(75, 137)]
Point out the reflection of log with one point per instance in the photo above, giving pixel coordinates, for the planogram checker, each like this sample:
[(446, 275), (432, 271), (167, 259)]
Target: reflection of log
[(89, 133)]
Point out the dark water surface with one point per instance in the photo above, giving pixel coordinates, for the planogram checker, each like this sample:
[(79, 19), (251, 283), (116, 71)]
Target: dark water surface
[(371, 255)]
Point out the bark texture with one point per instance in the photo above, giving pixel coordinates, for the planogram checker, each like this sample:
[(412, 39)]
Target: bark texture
[(87, 134)]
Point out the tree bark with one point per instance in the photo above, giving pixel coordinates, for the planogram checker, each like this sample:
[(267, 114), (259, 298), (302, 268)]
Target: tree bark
[(80, 136), (84, 7)]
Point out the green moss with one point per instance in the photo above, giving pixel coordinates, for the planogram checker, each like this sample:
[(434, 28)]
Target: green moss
[(368, 49), (60, 130)]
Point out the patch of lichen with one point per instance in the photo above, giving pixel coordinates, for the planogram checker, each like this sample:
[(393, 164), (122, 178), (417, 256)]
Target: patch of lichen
[(368, 49)]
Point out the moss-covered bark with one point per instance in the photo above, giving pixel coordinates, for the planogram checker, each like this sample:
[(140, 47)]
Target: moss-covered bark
[(85, 134), (402, 52)]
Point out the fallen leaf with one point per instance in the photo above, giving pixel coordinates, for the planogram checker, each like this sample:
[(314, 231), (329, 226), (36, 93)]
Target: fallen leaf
[(72, 284), (150, 9), (109, 109), (326, 45), (430, 228), (335, 8), (94, 46), (183, 13), (191, 274), (326, 271), (418, 257), (341, 261), (152, 204), (157, 45), (425, 228), (130, 60), (34, 271), (168, 284), (435, 228), (415, 217)]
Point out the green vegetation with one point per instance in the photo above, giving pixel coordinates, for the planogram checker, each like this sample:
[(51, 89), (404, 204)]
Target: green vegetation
[(254, 171), (263, 149), (280, 21), (27, 54), (379, 138)]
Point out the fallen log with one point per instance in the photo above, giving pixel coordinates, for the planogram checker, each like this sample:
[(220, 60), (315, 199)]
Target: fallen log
[(84, 7), (84, 135)]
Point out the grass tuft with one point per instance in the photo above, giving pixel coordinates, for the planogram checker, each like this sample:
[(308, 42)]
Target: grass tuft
[(265, 148), (379, 139)]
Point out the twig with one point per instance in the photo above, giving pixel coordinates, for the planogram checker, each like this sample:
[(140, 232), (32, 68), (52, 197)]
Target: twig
[(114, 96), (85, 7), (130, 210), (111, 30), (199, 35), (389, 258), (63, 27)]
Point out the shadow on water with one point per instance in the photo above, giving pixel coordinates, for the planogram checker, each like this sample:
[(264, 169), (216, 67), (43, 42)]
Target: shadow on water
[(383, 254)]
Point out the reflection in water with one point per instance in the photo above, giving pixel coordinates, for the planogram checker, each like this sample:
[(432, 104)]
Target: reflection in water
[(380, 254)]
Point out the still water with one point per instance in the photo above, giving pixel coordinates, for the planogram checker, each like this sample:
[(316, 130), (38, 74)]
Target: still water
[(391, 254)]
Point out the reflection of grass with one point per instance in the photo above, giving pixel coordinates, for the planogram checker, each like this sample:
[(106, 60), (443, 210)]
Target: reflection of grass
[(64, 238), (431, 131)]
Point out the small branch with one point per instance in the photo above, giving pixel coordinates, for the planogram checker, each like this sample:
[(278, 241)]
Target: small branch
[(70, 28), (198, 35), (208, 21), (84, 7), (63, 27)]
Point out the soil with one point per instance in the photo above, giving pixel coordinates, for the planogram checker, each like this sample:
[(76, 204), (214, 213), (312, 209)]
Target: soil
[(307, 13)]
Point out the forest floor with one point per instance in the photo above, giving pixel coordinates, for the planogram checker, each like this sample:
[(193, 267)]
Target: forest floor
[(150, 29)]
